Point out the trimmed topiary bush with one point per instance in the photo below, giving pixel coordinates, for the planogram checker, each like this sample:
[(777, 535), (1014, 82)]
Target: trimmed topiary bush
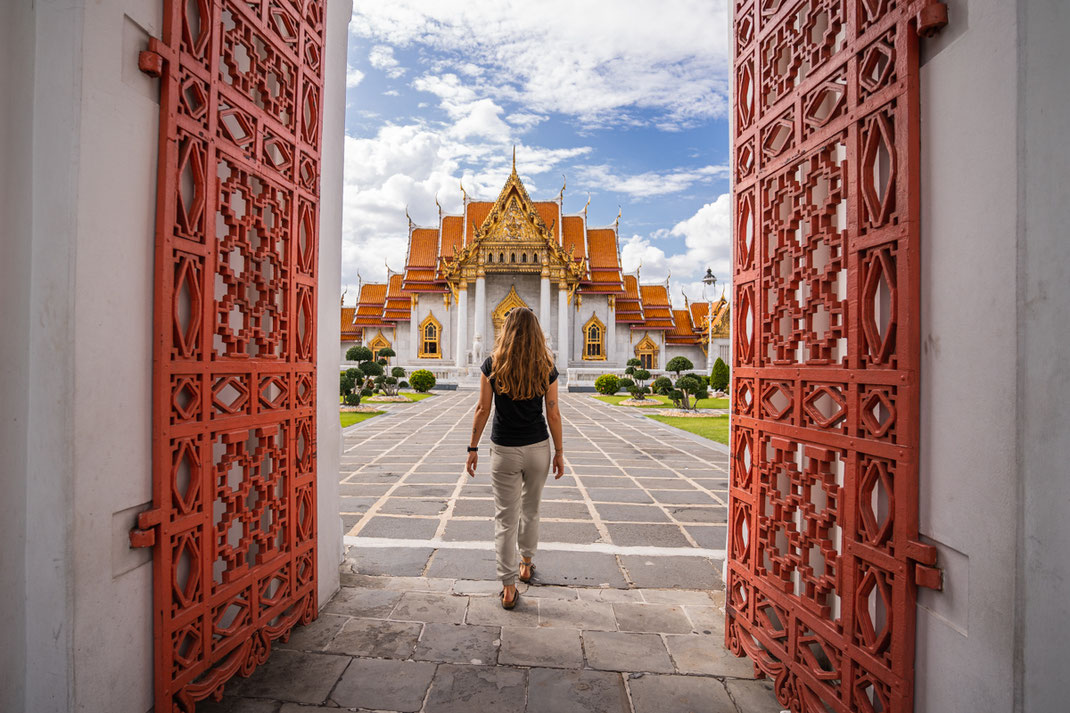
[(676, 396), (690, 386), (352, 399), (661, 385), (422, 380), (678, 364), (720, 375), (626, 384), (607, 384), (358, 353)]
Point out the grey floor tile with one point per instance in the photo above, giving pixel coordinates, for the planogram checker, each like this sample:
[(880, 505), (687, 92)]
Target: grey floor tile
[(469, 531), (399, 527), (630, 534), (753, 696), (679, 694), (459, 643), (364, 602), (412, 506), (553, 691), (488, 611), (673, 571), (392, 561), (316, 635), (431, 606), (577, 614), (712, 537), (582, 569), (651, 618), (294, 676), (619, 495), (466, 689), (383, 684), (464, 564), (376, 637), (697, 653), (626, 651), (631, 513), (552, 647)]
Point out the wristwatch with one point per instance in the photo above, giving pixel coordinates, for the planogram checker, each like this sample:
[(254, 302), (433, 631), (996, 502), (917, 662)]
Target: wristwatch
[(473, 450)]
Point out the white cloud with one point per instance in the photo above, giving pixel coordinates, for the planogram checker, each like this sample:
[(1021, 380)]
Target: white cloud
[(707, 243), (407, 166), (382, 57), (579, 59), (482, 120), (650, 183), (353, 77), (524, 121)]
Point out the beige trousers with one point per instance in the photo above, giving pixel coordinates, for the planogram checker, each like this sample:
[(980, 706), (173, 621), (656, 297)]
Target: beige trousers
[(517, 474)]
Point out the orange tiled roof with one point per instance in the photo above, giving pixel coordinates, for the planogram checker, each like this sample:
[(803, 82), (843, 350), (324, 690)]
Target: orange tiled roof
[(572, 234), (423, 247), (629, 308), (657, 310), (477, 212), (683, 331), (370, 305), (397, 302), (348, 330), (550, 214), (452, 235)]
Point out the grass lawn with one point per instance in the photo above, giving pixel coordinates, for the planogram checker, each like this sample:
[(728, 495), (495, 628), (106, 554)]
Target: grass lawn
[(351, 417), (715, 428), (658, 401), (416, 396)]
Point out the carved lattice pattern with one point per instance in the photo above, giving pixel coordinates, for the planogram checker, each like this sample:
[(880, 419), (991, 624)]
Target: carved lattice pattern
[(234, 415), (824, 558)]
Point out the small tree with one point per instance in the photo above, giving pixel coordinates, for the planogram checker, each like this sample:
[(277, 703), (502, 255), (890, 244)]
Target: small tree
[(641, 376), (676, 396), (607, 384), (390, 384), (719, 377), (384, 354), (626, 384), (678, 364), (688, 385), (661, 385), (422, 380), (371, 369), (358, 353)]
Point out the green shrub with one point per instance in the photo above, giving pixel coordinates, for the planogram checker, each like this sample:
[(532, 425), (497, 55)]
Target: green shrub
[(370, 368), (637, 391), (358, 354), (385, 352), (397, 372), (403, 384), (352, 400), (607, 384), (720, 376), (678, 364), (422, 380), (676, 396), (626, 384), (661, 385), (366, 391), (690, 386)]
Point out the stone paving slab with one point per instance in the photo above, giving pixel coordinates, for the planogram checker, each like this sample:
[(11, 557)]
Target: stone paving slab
[(625, 614)]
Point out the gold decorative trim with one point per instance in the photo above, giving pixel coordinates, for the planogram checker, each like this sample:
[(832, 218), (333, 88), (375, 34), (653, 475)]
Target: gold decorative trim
[(430, 320), (594, 322)]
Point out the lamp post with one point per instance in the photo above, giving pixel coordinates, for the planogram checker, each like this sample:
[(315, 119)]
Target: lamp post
[(708, 281)]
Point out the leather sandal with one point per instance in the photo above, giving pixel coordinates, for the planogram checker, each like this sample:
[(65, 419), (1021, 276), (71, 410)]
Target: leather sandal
[(511, 603), (531, 571)]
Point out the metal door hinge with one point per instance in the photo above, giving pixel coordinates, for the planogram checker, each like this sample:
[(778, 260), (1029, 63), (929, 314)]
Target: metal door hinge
[(926, 573), (144, 535)]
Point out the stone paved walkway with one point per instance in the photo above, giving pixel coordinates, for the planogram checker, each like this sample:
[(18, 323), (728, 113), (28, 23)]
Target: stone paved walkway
[(625, 614)]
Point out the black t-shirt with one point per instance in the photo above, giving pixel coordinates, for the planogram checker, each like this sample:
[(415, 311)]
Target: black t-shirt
[(517, 422)]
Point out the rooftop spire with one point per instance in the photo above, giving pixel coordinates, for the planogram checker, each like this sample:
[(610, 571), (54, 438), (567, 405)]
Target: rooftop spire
[(561, 195), (464, 196), (514, 158)]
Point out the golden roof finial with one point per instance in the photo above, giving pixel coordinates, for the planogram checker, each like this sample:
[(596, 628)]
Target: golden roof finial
[(564, 182), (585, 207), (342, 302), (617, 221), (514, 158), (409, 218), (439, 207), (464, 196)]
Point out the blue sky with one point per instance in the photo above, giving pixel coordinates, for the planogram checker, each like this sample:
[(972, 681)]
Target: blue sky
[(626, 99)]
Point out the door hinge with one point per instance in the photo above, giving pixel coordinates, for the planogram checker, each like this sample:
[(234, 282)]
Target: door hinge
[(144, 535), (926, 573)]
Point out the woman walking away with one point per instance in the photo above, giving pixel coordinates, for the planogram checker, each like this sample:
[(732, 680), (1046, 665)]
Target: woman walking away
[(518, 377)]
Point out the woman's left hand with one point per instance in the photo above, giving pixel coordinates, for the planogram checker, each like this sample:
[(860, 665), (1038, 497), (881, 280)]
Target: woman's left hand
[(473, 459)]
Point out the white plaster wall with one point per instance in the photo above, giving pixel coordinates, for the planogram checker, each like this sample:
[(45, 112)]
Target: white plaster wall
[(113, 288), (1043, 353), (328, 322), (694, 354), (965, 635), (16, 221)]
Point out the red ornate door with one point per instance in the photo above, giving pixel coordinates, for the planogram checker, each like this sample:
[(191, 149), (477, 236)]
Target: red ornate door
[(233, 520), (824, 557)]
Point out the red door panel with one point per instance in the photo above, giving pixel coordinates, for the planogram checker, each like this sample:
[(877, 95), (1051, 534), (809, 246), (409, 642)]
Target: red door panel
[(824, 559), (234, 500)]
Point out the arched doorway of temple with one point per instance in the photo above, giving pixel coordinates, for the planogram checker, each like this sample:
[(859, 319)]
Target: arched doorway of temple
[(510, 302)]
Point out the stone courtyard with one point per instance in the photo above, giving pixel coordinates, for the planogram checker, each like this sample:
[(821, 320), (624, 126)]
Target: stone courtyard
[(624, 615)]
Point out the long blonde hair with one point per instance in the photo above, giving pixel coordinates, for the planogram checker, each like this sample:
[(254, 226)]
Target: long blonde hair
[(521, 362)]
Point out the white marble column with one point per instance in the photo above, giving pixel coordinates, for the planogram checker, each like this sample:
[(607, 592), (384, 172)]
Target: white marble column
[(544, 303), (481, 312), (611, 330), (414, 336), (462, 324), (562, 327)]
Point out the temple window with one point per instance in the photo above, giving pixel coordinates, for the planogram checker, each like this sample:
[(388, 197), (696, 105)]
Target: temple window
[(535, 257), (501, 257), (523, 257), (594, 333), (490, 257), (379, 342), (512, 257), (430, 338), (647, 353)]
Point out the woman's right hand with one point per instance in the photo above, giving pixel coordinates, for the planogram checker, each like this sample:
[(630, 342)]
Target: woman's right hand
[(559, 465), (473, 459)]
